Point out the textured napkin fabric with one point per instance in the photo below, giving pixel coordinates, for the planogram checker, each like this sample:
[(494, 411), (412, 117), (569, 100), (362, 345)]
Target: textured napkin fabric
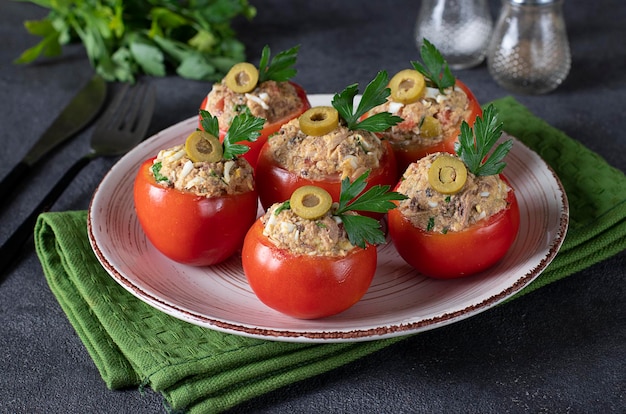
[(201, 370)]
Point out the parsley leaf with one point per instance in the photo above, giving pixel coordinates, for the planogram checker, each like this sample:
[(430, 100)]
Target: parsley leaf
[(284, 206), (435, 68), (156, 171), (280, 68), (473, 146), (375, 94), (362, 229), (244, 127), (209, 123)]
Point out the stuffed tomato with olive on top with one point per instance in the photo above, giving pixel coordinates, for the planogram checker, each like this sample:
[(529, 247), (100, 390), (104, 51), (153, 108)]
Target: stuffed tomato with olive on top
[(327, 144), (310, 257), (461, 215), (196, 201), (432, 104), (264, 92)]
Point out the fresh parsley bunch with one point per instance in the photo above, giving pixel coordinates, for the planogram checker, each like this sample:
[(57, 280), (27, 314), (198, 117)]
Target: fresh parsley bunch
[(126, 38)]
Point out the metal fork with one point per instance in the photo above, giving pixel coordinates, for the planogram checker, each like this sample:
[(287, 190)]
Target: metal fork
[(122, 126)]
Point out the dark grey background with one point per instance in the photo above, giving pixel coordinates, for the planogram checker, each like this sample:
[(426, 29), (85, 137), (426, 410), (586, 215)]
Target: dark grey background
[(560, 349)]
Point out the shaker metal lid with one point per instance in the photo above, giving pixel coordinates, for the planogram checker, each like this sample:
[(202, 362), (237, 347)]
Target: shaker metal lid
[(533, 2)]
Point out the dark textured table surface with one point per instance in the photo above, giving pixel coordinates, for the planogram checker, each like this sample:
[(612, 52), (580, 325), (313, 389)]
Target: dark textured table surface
[(561, 349)]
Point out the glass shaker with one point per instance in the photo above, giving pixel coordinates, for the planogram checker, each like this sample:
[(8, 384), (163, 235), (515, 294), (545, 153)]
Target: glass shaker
[(529, 51), (460, 29)]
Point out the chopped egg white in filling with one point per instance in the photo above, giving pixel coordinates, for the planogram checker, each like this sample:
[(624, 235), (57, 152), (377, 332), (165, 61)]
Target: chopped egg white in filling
[(480, 198), (448, 109), (203, 178), (270, 100), (321, 237), (341, 152)]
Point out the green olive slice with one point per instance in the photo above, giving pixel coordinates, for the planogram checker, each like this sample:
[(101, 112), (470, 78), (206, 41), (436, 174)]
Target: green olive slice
[(447, 174), (310, 202), (319, 120), (407, 86), (203, 147), (242, 77), (430, 127)]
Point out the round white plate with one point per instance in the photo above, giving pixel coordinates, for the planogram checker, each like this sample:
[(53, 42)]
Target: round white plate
[(399, 302)]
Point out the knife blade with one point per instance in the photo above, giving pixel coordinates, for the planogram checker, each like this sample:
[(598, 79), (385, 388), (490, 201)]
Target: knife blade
[(81, 110)]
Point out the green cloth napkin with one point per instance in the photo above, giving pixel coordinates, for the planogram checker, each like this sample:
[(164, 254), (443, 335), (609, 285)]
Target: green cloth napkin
[(201, 370)]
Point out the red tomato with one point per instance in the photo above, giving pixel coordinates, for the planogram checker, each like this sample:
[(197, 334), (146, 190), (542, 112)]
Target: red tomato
[(255, 147), (302, 286), (456, 254), (407, 155), (276, 184), (190, 229)]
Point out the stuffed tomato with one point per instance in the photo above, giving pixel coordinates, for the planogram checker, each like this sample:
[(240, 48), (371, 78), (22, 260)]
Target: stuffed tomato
[(327, 144), (432, 104), (196, 201), (305, 286), (453, 254), (188, 228), (461, 215), (265, 93), (310, 257)]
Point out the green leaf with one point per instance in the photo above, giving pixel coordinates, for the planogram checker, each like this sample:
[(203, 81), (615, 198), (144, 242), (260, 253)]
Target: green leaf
[(280, 68), (203, 41), (41, 27), (244, 127), (375, 94), (195, 66), (156, 171), (474, 146), (286, 205), (148, 56), (378, 122), (350, 190), (209, 123), (168, 19), (435, 68), (377, 199), (362, 230), (48, 46), (121, 65)]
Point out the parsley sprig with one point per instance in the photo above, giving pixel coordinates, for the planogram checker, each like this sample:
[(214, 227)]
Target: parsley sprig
[(435, 68), (244, 127), (375, 94), (280, 68), (377, 199), (474, 145)]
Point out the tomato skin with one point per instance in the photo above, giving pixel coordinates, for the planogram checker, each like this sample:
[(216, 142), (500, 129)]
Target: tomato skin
[(189, 229), (456, 254), (407, 155), (255, 147), (275, 184), (302, 286)]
